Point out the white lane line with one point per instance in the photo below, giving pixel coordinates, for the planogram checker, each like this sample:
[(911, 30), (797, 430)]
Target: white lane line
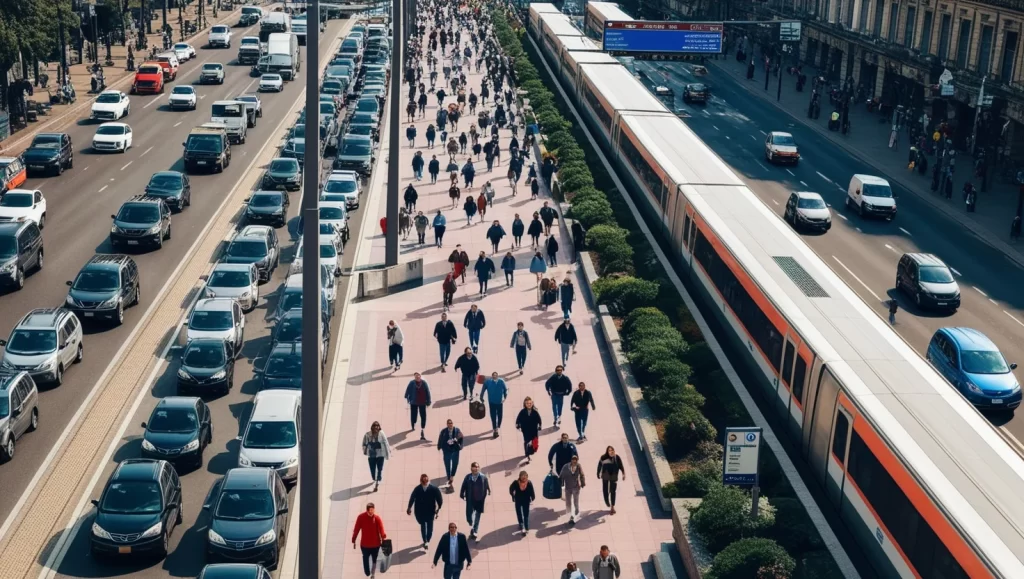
[(753, 137), (791, 172), (1014, 318), (759, 164), (202, 96), (249, 86), (859, 230), (151, 103), (804, 183), (178, 123), (841, 216), (716, 128), (764, 133), (907, 232), (111, 178), (823, 177), (146, 151), (126, 166), (857, 278), (775, 202), (728, 138), (955, 272), (891, 248), (705, 111), (840, 188), (979, 290), (103, 188), (993, 301), (86, 168)]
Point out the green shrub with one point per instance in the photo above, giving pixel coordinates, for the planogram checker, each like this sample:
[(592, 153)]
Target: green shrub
[(699, 479), (700, 357), (752, 559), (654, 335), (724, 517), (572, 171), (687, 392), (817, 565), (600, 237), (624, 294), (572, 152), (664, 400), (575, 181), (685, 428), (550, 120), (643, 317), (688, 326), (616, 258), (557, 139), (593, 212), (588, 193), (793, 528)]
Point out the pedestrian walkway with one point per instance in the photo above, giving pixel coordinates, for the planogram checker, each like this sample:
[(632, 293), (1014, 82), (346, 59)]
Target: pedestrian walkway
[(868, 140), (373, 392)]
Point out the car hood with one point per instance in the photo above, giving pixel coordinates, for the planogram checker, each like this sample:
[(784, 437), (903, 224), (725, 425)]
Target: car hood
[(271, 81), (241, 259), (130, 225), (182, 97), (265, 210), (994, 382), (107, 107), (164, 191), (15, 212), (153, 77), (815, 213), (170, 440), (40, 153), (197, 372), (247, 530), (265, 455), (24, 361), (880, 201), (211, 73), (229, 292), (226, 335), (124, 524), (940, 288), (283, 176), (788, 149), (91, 296), (109, 138)]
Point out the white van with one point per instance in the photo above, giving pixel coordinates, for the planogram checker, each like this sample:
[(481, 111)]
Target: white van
[(271, 437), (870, 195)]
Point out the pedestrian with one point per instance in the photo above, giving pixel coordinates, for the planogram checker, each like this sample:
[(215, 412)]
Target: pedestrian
[(606, 565), (496, 392), (484, 269), (571, 571), (452, 147), (376, 449), (449, 442), (453, 551), (508, 265), (566, 295), (431, 135), (481, 206), (421, 102), (520, 343), (573, 480), (495, 233), (511, 175), (565, 335), (551, 246), (444, 333), (434, 167), (608, 468), (404, 223), (370, 525), (561, 453), (535, 229), (410, 196), (470, 366), (529, 423), (521, 491), (425, 504), (463, 143), (558, 386), (474, 322), (440, 224), (440, 99), (531, 175), (538, 267), (534, 186), (395, 340), (475, 489), (470, 208), (579, 237), (893, 306), (460, 262), (383, 225), (448, 289), (410, 133), (454, 193), (417, 394), (547, 215), (488, 192), (581, 403), (420, 221)]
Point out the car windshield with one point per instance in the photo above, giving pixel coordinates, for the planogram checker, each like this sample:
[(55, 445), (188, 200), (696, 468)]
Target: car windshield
[(32, 342), (211, 320), (327, 250), (17, 200), (810, 203), (289, 329), (936, 274), (165, 181), (204, 355), (46, 142), (291, 300), (132, 497), (219, 29), (245, 504), (784, 140), (110, 130), (231, 111), (108, 98), (331, 88), (229, 278), (983, 362), (284, 165), (697, 87), (363, 130), (204, 143), (341, 186), (271, 77), (327, 229), (267, 200), (355, 148), (183, 90), (285, 365), (173, 420), (97, 281), (143, 213), (181, 46), (213, 67), (332, 213), (874, 190), (367, 105), (8, 247), (247, 249), (270, 435), (152, 69), (296, 145)]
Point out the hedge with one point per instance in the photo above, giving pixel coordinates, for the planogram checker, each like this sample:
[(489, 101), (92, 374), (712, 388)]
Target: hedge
[(793, 528), (724, 517), (752, 559), (685, 428), (591, 212), (624, 294), (641, 317)]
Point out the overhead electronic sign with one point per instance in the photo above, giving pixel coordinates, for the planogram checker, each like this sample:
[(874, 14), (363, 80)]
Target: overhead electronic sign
[(644, 36)]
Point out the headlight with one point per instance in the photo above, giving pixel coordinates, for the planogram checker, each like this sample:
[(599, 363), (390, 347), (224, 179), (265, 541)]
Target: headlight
[(972, 387), (98, 531), (183, 374), (194, 445), (291, 461), (215, 538), (110, 303), (219, 375), (267, 537), (153, 531), (114, 229), (1015, 389), (246, 295), (147, 445), (868, 205), (7, 365), (70, 301), (154, 229), (9, 266), (47, 365), (244, 460), (279, 211)]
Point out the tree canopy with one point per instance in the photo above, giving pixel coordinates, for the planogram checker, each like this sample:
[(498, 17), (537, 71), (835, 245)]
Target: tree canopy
[(29, 28)]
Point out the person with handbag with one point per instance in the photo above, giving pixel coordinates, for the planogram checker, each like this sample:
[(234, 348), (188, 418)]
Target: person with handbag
[(529, 423), (561, 453), (522, 494), (376, 449), (370, 525), (496, 391), (449, 442), (475, 489), (453, 550), (608, 468), (470, 366), (425, 501)]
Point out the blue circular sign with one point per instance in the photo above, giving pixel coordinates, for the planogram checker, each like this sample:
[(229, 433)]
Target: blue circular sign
[(751, 437)]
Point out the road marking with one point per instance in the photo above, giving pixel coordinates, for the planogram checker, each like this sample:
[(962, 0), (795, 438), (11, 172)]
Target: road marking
[(857, 278), (178, 123), (791, 172), (151, 103), (759, 164), (202, 96), (889, 247), (859, 230), (823, 177), (103, 188), (1012, 317), (804, 183), (86, 168), (248, 86), (705, 111), (125, 166), (955, 272), (716, 128), (907, 232), (979, 290), (840, 188), (841, 216), (146, 151), (753, 138), (728, 138), (775, 202), (764, 133), (111, 178), (993, 301)]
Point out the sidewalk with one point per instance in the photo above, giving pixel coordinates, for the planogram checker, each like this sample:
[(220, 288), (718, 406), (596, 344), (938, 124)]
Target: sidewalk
[(868, 142), (371, 392)]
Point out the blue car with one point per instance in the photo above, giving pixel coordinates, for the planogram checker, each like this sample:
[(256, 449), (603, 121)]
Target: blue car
[(974, 365)]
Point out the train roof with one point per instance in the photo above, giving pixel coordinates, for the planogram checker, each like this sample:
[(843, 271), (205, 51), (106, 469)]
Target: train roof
[(667, 140), (607, 11), (621, 90), (578, 43), (558, 25), (544, 8)]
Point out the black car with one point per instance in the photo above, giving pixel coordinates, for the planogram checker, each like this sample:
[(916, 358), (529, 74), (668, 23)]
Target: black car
[(283, 174), (178, 430), (49, 153), (696, 92), (234, 571), (248, 517), (21, 251), (255, 244), (268, 208), (142, 220), (295, 148), (138, 510), (173, 187), (283, 368), (207, 366), (104, 288), (289, 330)]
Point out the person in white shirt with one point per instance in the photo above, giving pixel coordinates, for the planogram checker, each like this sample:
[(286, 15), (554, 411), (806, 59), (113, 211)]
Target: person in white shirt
[(395, 349)]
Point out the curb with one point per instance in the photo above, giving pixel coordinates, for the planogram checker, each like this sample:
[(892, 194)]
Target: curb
[(982, 234)]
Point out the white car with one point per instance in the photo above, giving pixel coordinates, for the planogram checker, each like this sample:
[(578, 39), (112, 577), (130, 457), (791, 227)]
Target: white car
[(335, 213), (112, 137), (240, 281), (184, 51), (330, 255), (342, 185), (780, 147), (220, 35), (183, 96), (271, 82), (217, 318), (111, 105), (19, 204)]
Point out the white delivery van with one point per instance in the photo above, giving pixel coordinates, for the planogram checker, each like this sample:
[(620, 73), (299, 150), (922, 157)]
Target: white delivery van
[(871, 196)]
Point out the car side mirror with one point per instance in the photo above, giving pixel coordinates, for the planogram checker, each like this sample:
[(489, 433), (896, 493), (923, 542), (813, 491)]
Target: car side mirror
[(112, 216), (143, 425), (283, 511), (337, 272), (238, 438), (69, 283), (16, 412), (3, 343), (206, 506), (183, 144), (1013, 366), (63, 344), (95, 502)]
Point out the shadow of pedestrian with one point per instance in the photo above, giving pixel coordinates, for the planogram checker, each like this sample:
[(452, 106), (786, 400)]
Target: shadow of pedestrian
[(349, 492), (448, 402), (505, 467)]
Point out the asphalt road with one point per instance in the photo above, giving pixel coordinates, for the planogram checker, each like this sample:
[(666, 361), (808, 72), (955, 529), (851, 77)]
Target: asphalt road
[(863, 252), (79, 205)]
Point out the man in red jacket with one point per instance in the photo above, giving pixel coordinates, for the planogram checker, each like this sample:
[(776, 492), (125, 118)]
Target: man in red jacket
[(372, 528)]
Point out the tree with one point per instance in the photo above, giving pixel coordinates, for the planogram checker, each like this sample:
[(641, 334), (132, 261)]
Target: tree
[(29, 30)]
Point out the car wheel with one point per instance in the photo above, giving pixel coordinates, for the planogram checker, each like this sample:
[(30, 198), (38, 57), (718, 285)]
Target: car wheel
[(860, 210), (80, 353), (39, 261), (138, 295), (7, 453), (181, 509), (120, 314), (42, 221), (160, 242), (917, 299), (164, 540), (71, 162), (58, 378), (168, 236), (60, 169), (188, 200), (19, 278), (33, 423)]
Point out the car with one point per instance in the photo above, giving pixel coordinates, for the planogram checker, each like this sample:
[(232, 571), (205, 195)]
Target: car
[(138, 510), (252, 99), (283, 368), (295, 148), (374, 91), (330, 254), (104, 288), (928, 280), (212, 73), (334, 213), (336, 72), (248, 517), (19, 410), (220, 36), (973, 364), (173, 187), (696, 92), (217, 318), (22, 205), (267, 207), (178, 430), (369, 131), (112, 137), (141, 221), (184, 51), (283, 173), (45, 343), (21, 251), (149, 79), (258, 245), (111, 105), (271, 81), (169, 62), (370, 105), (49, 153), (781, 147), (271, 437), (807, 210), (334, 89), (234, 570), (238, 281), (290, 298), (871, 196), (183, 97), (355, 154), (328, 111), (364, 118), (344, 183), (288, 330), (207, 368)]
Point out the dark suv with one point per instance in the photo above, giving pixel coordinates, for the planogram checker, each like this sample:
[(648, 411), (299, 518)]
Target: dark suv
[(49, 153), (104, 287), (928, 280), (21, 251), (173, 187), (283, 173), (142, 220), (138, 510), (255, 244)]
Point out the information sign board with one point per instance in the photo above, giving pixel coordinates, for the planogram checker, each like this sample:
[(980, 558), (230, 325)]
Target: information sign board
[(663, 37), (742, 447)]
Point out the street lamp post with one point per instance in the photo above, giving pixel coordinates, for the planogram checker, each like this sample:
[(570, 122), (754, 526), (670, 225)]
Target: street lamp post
[(62, 61), (397, 74), (165, 15)]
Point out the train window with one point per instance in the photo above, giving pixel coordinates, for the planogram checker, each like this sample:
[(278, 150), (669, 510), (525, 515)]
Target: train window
[(758, 326), (915, 537), (798, 379), (686, 231), (597, 107), (647, 173), (787, 362), (842, 428)]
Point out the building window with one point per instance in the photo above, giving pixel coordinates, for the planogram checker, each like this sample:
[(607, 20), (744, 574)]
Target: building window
[(985, 49), (862, 26), (908, 27), (879, 12), (926, 33), (944, 32), (894, 18), (963, 44), (1009, 62)]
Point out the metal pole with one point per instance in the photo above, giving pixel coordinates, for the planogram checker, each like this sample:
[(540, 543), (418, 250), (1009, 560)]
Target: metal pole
[(778, 95), (977, 116), (767, 72), (397, 73), (312, 399), (62, 63), (95, 38), (165, 16)]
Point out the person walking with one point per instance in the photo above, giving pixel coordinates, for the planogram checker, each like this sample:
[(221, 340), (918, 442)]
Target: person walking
[(573, 480), (463, 143), (431, 135), (520, 343), (468, 172), (449, 443), (496, 391), (566, 295), (410, 133), (404, 222), (395, 349), (495, 233), (434, 168), (558, 386), (475, 489), (481, 206), (551, 245), (893, 307), (534, 185), (535, 229), (448, 289), (376, 449), (453, 551), (561, 453), (425, 504), (474, 322), (488, 191), (484, 268), (421, 222), (538, 267), (371, 527), (508, 265), (470, 208), (606, 565), (579, 239), (460, 262), (517, 231), (440, 225), (410, 196), (547, 215), (521, 491), (417, 394), (445, 334), (608, 468), (470, 366), (581, 403), (565, 335), (529, 423)]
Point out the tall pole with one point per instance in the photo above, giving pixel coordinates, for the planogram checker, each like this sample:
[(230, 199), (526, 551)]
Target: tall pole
[(312, 399), (62, 62), (165, 16), (95, 37), (397, 73), (977, 116)]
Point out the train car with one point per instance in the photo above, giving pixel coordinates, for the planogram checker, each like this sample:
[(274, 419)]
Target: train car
[(571, 61), (923, 482), (554, 25), (597, 14), (533, 19)]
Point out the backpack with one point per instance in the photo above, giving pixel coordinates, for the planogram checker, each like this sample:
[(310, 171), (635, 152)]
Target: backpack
[(477, 410)]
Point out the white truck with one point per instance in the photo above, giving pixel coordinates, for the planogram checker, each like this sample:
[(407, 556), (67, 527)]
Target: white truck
[(250, 49), (299, 28), (233, 115), (285, 44)]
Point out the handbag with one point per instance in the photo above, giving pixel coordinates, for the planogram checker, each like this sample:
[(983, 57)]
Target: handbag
[(552, 487), (477, 410), (386, 550), (479, 378)]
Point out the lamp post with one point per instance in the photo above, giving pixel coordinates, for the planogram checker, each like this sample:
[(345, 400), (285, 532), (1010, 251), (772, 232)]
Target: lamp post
[(394, 179), (165, 14), (62, 62)]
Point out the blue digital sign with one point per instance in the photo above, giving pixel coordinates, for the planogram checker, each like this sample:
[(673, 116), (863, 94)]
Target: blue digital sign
[(663, 37)]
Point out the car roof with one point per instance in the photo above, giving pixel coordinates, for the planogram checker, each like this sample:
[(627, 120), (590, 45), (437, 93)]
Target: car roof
[(24, 191), (343, 175), (216, 342), (261, 231), (50, 135), (268, 192), (326, 239), (287, 349), (146, 199), (233, 267), (970, 339), (140, 469), (214, 305), (870, 179), (111, 91), (8, 379), (106, 261), (178, 401), (122, 125), (43, 318), (12, 227), (230, 571), (168, 173), (254, 478), (293, 281), (275, 404), (780, 134), (926, 260), (808, 195)]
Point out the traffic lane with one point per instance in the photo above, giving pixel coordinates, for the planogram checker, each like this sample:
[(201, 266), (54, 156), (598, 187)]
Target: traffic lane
[(58, 405)]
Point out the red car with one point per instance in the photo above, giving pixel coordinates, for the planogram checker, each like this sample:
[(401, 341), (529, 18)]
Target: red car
[(149, 79)]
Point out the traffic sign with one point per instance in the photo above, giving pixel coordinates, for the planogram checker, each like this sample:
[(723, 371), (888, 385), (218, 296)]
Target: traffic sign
[(742, 447), (789, 31), (663, 37)]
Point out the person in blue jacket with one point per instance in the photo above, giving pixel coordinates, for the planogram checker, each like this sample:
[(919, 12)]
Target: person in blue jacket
[(474, 322), (431, 134), (434, 168), (484, 268), (469, 173), (520, 343), (496, 391), (508, 265), (440, 224)]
